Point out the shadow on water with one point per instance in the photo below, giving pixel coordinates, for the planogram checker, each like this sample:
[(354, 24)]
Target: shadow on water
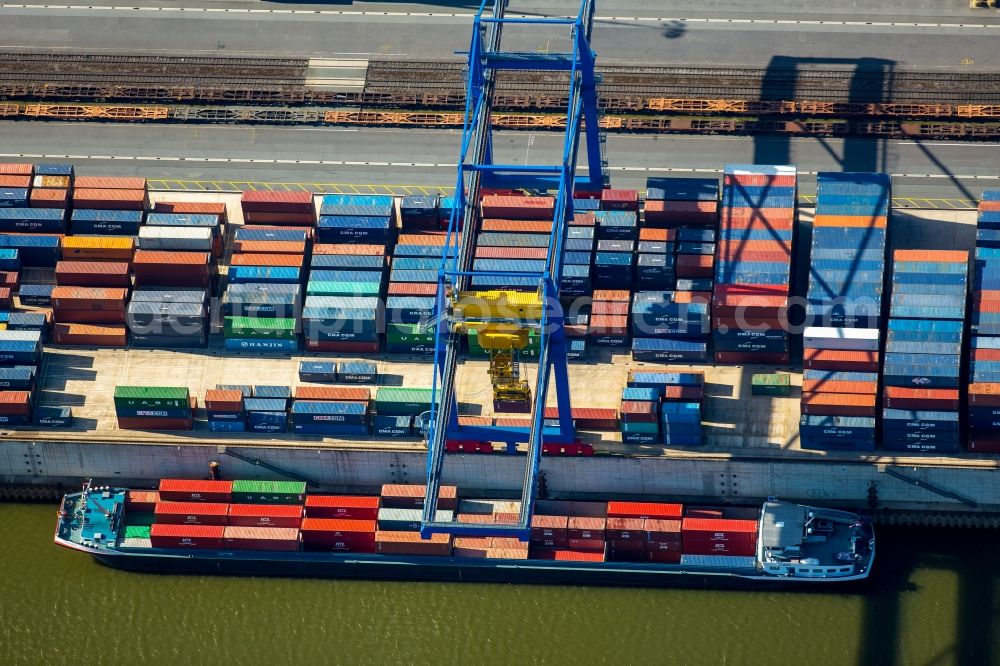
[(966, 554)]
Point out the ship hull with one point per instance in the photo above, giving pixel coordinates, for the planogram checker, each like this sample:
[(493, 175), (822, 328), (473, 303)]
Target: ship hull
[(447, 569)]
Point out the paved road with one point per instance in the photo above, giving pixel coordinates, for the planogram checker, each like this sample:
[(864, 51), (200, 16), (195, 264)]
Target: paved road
[(626, 30), (426, 157)]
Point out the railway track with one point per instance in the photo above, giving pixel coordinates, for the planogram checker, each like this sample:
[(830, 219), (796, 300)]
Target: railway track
[(438, 85), (733, 125)]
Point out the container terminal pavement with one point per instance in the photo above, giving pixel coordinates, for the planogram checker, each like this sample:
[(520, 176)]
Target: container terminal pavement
[(97, 268)]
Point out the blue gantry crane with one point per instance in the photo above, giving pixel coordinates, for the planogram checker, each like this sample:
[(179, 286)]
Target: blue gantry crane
[(507, 316)]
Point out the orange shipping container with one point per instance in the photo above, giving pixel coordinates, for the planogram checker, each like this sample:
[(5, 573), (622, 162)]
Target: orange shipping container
[(354, 250), (269, 247), (109, 199), (942, 256), (109, 183), (863, 221), (42, 198), (16, 169), (15, 181)]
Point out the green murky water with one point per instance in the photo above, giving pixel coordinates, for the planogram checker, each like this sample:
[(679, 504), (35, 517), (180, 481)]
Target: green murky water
[(933, 601)]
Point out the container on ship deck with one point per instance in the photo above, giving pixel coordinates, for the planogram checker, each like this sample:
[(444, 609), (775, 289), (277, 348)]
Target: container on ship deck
[(356, 507), (410, 543), (338, 534), (263, 538), (265, 515), (210, 537), (268, 492), (191, 513), (404, 496)]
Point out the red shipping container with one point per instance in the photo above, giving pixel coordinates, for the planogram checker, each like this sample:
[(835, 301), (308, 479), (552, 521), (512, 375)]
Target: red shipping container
[(210, 537), (240, 537), (829, 386), (718, 529), (339, 534), (606, 308), (67, 316), (423, 238), (625, 529), (518, 208), (736, 248), (986, 355), (983, 444), (758, 179), (266, 515), (654, 510), (577, 556), (896, 397), (105, 199), (838, 404), (354, 507), (195, 490), (684, 393), (410, 543), (269, 247), (411, 496), (192, 513), (583, 219), (476, 518), (270, 201), (589, 418), (636, 411), (608, 324), (471, 547), (193, 208), (663, 556), (676, 213), (338, 393), (412, 289), (673, 545), (224, 400), (45, 198), (342, 347), (549, 527), (177, 269), (290, 219), (88, 335), (141, 501), (587, 545), (10, 278), (612, 295), (619, 200), (720, 548), (507, 553), (833, 359), (506, 518), (20, 182), (15, 402), (16, 169), (83, 298), (537, 253), (984, 395), (295, 260), (110, 183), (662, 530), (585, 528), (93, 274), (518, 226)]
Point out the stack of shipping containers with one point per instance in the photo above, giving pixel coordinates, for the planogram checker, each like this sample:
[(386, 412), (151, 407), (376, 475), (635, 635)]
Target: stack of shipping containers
[(843, 310), (343, 307), (265, 295), (225, 410), (155, 407), (921, 373), (753, 267), (680, 396), (261, 305), (333, 411), (415, 262), (576, 285), (399, 514), (984, 333)]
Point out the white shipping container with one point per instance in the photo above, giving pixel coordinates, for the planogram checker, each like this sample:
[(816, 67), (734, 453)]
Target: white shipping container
[(30, 336), (847, 339), (175, 238), (719, 561)]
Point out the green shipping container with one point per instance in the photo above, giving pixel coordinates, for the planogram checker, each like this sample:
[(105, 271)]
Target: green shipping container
[(531, 351), (253, 328), (136, 532), (269, 492), (392, 401), (772, 384), (314, 288), (410, 334), (638, 426), (151, 396)]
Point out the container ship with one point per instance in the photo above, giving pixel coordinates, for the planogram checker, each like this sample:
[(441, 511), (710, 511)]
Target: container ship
[(273, 528)]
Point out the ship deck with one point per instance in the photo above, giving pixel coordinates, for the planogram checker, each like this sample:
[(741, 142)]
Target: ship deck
[(736, 425)]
